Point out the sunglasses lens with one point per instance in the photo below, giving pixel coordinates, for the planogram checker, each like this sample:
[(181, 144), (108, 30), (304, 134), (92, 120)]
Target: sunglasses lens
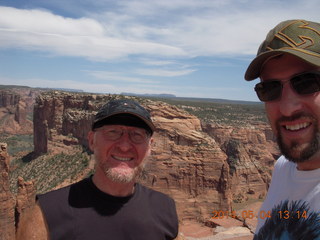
[(268, 91), (306, 83)]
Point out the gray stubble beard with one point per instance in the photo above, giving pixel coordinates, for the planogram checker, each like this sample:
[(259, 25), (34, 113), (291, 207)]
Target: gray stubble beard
[(123, 178)]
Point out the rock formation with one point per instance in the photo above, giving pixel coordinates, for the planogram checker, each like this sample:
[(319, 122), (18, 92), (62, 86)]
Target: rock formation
[(251, 154), (14, 110), (187, 164), (25, 197), (202, 166), (62, 117), (11, 206), (7, 201)]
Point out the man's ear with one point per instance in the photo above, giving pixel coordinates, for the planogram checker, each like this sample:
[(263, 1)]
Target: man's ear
[(151, 141), (91, 140), (151, 145)]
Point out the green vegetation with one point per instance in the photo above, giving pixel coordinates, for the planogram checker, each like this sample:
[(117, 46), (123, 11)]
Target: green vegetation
[(222, 112), (232, 150), (17, 143), (30, 116), (48, 171)]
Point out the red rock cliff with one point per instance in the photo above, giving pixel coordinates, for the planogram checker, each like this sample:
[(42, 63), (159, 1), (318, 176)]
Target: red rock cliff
[(251, 154), (7, 201), (11, 206), (13, 112)]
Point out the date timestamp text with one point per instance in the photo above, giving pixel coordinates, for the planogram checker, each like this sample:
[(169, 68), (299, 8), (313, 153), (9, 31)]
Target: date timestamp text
[(284, 214)]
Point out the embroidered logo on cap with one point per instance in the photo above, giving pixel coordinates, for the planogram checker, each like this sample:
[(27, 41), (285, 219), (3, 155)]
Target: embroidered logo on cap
[(297, 34)]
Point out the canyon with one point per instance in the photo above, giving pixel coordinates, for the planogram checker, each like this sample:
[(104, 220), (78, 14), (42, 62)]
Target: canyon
[(203, 166)]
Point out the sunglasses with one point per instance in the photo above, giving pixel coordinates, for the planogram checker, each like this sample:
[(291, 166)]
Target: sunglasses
[(303, 84)]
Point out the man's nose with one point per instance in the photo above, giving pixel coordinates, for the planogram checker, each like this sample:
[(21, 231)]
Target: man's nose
[(124, 143), (290, 101)]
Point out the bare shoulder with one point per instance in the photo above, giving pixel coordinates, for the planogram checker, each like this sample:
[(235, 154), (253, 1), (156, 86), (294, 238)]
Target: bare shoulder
[(32, 225)]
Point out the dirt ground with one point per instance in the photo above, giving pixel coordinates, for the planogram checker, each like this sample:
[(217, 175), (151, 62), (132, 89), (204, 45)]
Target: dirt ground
[(227, 228)]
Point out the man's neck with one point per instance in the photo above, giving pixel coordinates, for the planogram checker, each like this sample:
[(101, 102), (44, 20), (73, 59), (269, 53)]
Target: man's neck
[(117, 189), (311, 164)]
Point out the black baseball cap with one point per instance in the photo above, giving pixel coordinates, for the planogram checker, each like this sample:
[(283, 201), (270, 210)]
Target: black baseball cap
[(297, 37), (123, 112)]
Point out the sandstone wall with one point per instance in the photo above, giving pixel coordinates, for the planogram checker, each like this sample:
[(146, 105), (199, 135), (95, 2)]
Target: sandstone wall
[(11, 206), (14, 107), (187, 164), (8, 98), (203, 167), (63, 117), (251, 154), (7, 202), (13, 113)]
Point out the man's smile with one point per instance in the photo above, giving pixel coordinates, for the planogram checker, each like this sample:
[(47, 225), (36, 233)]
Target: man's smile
[(122, 159), (297, 127)]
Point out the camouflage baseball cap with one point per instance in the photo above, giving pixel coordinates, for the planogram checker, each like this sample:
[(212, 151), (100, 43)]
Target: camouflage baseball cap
[(300, 38), (123, 112)]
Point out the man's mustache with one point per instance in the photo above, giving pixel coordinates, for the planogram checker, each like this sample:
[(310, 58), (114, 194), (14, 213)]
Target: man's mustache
[(295, 117)]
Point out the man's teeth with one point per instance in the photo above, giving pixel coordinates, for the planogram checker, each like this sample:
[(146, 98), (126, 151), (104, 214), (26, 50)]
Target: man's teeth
[(296, 126), (122, 158)]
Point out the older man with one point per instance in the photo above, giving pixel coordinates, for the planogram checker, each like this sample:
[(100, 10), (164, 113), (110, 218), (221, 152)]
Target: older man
[(109, 204), (288, 64)]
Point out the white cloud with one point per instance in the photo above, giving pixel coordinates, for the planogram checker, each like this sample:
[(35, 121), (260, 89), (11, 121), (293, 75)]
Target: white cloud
[(117, 76), (169, 28), (44, 22), (157, 62), (207, 27), (163, 72), (40, 30)]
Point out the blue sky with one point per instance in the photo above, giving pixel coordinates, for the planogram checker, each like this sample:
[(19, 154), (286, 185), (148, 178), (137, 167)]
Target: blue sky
[(189, 48)]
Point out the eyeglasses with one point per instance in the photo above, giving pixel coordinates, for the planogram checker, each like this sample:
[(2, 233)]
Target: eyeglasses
[(303, 84), (136, 136)]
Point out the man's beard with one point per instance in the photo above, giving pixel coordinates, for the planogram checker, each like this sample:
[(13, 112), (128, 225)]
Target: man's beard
[(123, 175), (297, 152)]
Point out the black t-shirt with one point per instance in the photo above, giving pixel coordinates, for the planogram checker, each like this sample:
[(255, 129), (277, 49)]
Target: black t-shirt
[(82, 212)]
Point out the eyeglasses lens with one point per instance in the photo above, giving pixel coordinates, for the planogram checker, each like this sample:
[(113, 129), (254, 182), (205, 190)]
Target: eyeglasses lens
[(136, 135)]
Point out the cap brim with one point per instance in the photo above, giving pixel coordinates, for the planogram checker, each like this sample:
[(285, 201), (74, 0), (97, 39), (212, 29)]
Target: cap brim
[(148, 122), (254, 69)]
